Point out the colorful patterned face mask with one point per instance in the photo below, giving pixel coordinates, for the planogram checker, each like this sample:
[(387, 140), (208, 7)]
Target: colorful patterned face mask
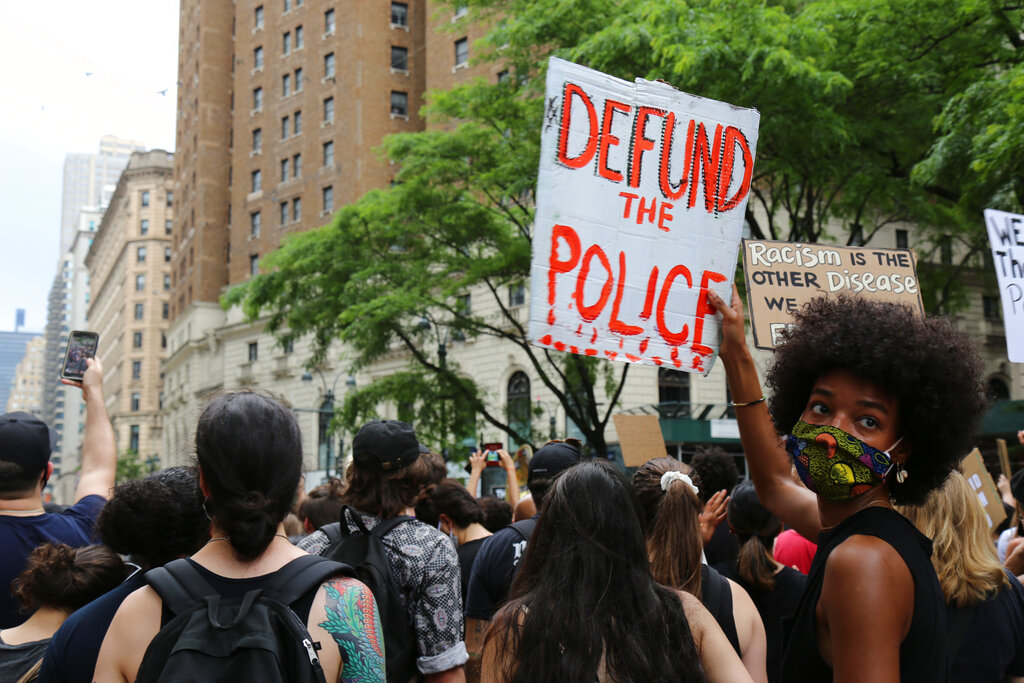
[(834, 464)]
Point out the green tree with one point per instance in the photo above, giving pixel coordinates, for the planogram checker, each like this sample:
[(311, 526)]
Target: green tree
[(129, 466), (850, 93)]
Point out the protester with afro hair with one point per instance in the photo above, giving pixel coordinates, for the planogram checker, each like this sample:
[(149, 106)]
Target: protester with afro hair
[(876, 405)]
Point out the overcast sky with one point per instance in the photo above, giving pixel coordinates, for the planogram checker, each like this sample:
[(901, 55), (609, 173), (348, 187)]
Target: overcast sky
[(51, 108)]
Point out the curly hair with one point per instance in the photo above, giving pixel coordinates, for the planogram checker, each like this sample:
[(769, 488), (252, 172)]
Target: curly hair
[(156, 519), (67, 578), (715, 469), (931, 369)]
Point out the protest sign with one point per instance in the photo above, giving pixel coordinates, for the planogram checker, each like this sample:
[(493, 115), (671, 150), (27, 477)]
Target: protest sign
[(640, 200), (1006, 236), (782, 276), (984, 488), (640, 438), (1004, 458)]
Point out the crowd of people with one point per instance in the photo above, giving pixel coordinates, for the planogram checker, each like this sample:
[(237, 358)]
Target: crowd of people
[(856, 551)]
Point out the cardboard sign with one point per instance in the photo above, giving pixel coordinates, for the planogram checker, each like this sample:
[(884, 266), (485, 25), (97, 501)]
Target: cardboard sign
[(640, 438), (1006, 236), (1004, 458), (640, 201), (782, 276), (977, 476)]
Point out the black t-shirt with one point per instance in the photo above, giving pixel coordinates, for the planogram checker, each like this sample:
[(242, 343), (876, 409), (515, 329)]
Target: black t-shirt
[(723, 546), (923, 653), (992, 647), (491, 576), (467, 553), (773, 606)]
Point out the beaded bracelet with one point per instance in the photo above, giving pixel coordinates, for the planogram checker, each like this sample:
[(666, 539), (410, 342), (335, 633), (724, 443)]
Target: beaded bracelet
[(734, 404)]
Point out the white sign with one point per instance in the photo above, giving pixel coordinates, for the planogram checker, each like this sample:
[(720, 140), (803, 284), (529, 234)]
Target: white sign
[(640, 201), (1006, 235), (725, 429)]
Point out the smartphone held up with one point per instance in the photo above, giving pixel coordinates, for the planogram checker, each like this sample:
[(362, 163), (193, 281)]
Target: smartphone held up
[(81, 345)]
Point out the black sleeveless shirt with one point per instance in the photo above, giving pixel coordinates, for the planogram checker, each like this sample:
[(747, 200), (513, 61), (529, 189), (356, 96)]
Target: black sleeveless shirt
[(922, 654)]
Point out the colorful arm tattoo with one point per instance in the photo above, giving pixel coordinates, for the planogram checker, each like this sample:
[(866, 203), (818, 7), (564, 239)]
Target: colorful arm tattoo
[(353, 622)]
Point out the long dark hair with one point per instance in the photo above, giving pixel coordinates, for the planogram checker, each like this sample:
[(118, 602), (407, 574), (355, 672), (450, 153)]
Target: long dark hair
[(755, 528), (584, 593), (249, 450), (671, 522)]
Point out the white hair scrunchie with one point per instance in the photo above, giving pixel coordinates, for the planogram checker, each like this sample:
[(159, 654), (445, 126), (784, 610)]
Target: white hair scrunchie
[(672, 475)]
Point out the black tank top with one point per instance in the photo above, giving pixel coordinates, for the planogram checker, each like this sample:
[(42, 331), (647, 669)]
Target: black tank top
[(716, 596), (922, 653)]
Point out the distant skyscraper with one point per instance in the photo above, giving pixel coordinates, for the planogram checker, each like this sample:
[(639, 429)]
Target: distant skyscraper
[(12, 350), (85, 178)]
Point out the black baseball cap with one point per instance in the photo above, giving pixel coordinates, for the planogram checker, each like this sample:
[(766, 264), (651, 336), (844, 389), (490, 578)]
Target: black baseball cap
[(385, 445), (26, 441), (551, 459)]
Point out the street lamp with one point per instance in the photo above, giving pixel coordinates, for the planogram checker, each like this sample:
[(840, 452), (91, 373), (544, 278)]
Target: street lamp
[(552, 433), (325, 414)]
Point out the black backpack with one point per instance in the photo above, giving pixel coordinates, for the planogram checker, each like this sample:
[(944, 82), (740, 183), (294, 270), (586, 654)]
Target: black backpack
[(364, 552), (256, 638)]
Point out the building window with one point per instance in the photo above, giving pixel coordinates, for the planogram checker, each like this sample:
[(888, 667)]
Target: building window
[(946, 250), (258, 16), (297, 209), (166, 313), (254, 223), (329, 21), (399, 103), (287, 40), (464, 304), (254, 352), (139, 310), (163, 335), (296, 165), (284, 213), (328, 110), (140, 283), (257, 140), (399, 58), (297, 126), (254, 264), (257, 181), (287, 5), (167, 283), (284, 170), (298, 38), (399, 14), (136, 400), (145, 197), (461, 52), (257, 99), (517, 295), (298, 79), (329, 153), (519, 403), (144, 226), (286, 85), (140, 254), (167, 254), (328, 198), (673, 392), (167, 226), (133, 438), (856, 236), (136, 369), (460, 11), (284, 127), (902, 239), (136, 340), (257, 58), (997, 390), (990, 305), (329, 65)]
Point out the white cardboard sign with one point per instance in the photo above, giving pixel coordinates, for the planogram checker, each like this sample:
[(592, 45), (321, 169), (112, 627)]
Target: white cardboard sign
[(640, 201), (1006, 236)]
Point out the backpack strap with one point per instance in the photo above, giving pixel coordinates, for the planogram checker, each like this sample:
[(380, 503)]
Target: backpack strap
[(300, 576), (179, 585), (333, 532), (524, 527)]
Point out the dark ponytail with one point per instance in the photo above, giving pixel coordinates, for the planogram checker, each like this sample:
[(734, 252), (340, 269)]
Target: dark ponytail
[(249, 450), (755, 528)]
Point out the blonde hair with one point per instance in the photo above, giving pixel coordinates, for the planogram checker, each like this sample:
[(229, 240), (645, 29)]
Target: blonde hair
[(963, 554)]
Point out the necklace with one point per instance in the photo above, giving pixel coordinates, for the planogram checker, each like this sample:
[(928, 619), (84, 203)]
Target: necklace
[(228, 538)]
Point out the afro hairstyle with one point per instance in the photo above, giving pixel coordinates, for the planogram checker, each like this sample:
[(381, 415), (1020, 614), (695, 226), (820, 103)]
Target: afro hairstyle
[(931, 369)]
